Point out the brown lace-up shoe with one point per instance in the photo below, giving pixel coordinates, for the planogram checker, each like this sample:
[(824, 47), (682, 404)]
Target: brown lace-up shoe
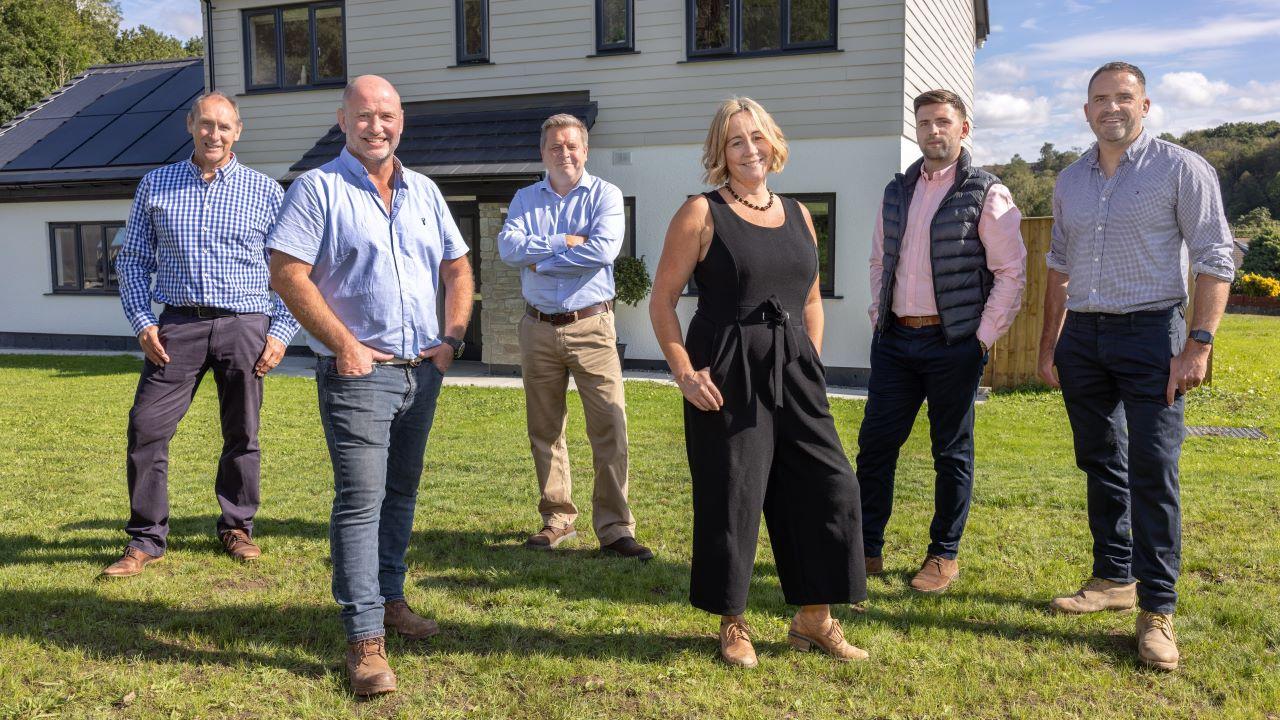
[(368, 669), (875, 565), (398, 616), (735, 644), (628, 547), (828, 638), (1096, 595), (1157, 645), (239, 546), (935, 575), (549, 537), (129, 564)]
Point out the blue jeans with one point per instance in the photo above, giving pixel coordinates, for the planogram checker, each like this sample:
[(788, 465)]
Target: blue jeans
[(1114, 370), (376, 427), (909, 366)]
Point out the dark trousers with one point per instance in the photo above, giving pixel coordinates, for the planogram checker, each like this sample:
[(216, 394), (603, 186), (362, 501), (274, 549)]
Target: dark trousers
[(229, 346), (909, 366), (1114, 371)]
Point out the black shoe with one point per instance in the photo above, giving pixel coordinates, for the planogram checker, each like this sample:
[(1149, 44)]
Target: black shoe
[(628, 547)]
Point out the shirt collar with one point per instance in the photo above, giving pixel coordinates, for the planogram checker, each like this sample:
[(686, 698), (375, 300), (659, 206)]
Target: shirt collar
[(354, 168), (946, 173), (583, 182), (223, 172), (1130, 153)]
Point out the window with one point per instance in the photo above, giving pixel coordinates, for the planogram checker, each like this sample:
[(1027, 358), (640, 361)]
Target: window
[(295, 46), (629, 239), (83, 256), (615, 26), (722, 28), (473, 31)]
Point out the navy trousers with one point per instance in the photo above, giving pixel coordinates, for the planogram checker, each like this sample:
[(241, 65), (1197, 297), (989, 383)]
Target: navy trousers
[(909, 366), (1114, 371)]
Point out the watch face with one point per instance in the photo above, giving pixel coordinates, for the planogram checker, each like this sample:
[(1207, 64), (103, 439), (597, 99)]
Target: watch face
[(1201, 336)]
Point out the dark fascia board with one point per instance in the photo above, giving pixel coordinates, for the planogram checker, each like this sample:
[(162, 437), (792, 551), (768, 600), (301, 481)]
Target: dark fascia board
[(66, 192), (981, 20)]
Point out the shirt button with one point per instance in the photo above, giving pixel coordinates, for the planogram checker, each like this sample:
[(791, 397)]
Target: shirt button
[(1095, 259), (1099, 227)]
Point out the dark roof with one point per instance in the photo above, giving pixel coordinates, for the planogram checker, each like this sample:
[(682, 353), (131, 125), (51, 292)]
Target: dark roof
[(487, 134), (109, 124)]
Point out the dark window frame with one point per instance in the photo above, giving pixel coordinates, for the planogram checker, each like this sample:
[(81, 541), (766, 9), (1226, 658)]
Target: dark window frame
[(733, 48), (628, 44), (277, 12), (460, 34), (107, 288), (629, 239)]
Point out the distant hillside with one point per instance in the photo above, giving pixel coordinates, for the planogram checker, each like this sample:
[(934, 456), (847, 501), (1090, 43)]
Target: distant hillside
[(1246, 156)]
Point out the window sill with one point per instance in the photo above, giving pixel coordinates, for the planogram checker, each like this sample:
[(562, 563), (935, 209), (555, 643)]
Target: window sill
[(611, 53), (303, 88), (752, 56), (475, 63)]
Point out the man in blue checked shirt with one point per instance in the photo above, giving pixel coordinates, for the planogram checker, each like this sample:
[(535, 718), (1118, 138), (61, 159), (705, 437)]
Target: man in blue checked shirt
[(198, 227), (360, 252), (564, 234)]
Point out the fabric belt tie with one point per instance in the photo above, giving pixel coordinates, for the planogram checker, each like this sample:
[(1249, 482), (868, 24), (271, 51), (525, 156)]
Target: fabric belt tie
[(569, 317), (785, 343)]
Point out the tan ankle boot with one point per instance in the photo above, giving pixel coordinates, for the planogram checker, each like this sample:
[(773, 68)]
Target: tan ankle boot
[(829, 638), (935, 575), (735, 644), (368, 669), (1096, 595), (398, 616), (1157, 645)]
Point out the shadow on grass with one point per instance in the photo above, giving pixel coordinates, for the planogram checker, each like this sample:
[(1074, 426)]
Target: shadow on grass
[(73, 365)]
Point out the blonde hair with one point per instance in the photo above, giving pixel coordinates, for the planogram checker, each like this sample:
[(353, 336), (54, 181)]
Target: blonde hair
[(562, 120), (715, 169)]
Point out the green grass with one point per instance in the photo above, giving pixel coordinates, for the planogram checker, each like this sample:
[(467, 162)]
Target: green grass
[(572, 634)]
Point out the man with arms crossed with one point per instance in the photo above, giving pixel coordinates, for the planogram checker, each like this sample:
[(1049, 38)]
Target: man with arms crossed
[(1122, 215), (360, 250), (947, 271), (564, 234), (198, 226)]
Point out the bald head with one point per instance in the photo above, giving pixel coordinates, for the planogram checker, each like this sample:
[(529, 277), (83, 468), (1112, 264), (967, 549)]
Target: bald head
[(372, 119)]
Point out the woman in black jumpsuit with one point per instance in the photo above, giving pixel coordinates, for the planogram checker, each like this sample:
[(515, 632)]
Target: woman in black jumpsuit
[(758, 428)]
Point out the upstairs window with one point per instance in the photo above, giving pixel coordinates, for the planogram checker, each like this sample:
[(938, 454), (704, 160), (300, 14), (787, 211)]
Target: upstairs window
[(728, 28), (295, 46), (615, 26), (473, 31), (83, 256)]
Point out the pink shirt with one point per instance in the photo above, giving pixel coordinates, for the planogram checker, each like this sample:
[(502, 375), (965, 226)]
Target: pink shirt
[(999, 229)]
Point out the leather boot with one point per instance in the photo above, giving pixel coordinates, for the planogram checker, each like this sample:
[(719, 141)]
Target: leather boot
[(368, 669), (735, 644), (1096, 595), (1157, 645), (828, 637), (398, 616), (935, 575)]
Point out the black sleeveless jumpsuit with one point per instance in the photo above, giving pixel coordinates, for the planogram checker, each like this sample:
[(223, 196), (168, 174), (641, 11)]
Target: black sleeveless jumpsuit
[(773, 445)]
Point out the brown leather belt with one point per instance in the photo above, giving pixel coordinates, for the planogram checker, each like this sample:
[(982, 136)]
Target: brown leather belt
[(918, 321), (569, 317)]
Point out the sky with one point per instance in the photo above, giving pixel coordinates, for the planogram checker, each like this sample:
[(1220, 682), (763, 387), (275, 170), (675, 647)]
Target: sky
[(1207, 62)]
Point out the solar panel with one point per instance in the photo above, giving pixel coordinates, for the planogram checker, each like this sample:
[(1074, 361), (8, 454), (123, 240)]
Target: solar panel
[(19, 139), (58, 144), (155, 147), (80, 96), (182, 153), (102, 148), (128, 93), (175, 92)]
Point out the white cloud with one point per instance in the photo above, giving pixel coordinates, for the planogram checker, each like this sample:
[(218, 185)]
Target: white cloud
[(1074, 6), (1136, 42), (1000, 72), (997, 29), (1190, 88), (180, 18), (1029, 24), (1005, 110)]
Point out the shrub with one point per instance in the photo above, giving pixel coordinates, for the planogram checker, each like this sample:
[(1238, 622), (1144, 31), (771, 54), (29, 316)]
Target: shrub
[(631, 279), (1254, 285), (1263, 257)]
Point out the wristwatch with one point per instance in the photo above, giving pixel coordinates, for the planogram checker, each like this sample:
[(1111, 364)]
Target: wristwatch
[(457, 345), (1204, 337)]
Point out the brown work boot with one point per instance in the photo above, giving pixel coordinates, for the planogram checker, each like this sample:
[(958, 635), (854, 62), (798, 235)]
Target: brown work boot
[(549, 537), (238, 545), (1157, 645), (398, 616), (368, 669), (875, 565), (1097, 594), (129, 564), (829, 638), (935, 575), (735, 643), (627, 547)]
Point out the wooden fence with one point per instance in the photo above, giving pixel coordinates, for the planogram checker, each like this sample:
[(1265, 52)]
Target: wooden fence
[(1013, 357)]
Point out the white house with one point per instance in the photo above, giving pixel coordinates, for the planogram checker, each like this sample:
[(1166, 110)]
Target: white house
[(477, 77)]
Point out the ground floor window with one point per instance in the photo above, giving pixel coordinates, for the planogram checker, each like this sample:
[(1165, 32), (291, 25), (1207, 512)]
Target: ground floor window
[(822, 206), (83, 256)]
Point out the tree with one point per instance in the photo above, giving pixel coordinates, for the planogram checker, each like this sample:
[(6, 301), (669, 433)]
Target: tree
[(1263, 257), (145, 43), (1254, 223)]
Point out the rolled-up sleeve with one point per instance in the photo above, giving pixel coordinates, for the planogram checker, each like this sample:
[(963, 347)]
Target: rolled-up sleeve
[(1202, 221)]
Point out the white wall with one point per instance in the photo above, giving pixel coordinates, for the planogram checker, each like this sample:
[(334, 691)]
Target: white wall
[(856, 169), (27, 304)]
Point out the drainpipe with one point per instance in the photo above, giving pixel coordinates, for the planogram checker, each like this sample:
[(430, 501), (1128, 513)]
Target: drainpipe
[(208, 42)]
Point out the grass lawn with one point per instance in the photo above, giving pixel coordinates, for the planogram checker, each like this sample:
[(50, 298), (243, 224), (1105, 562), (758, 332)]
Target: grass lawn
[(572, 634)]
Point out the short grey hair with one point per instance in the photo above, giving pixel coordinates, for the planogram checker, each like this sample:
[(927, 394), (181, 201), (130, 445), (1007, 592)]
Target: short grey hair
[(195, 105), (562, 120)]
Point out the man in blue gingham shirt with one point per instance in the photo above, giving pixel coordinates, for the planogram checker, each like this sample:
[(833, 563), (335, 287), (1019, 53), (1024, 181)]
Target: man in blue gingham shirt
[(199, 226)]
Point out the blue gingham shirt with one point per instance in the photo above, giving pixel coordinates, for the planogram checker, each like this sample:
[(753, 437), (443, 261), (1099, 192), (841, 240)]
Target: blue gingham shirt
[(566, 278), (203, 242), (1126, 242), (378, 271)]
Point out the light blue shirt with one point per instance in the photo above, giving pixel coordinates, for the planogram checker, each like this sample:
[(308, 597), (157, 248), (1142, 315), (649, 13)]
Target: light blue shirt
[(379, 272), (566, 278)]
